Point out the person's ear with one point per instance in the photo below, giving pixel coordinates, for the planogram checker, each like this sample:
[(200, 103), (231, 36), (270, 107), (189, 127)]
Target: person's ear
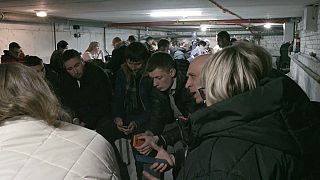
[(172, 72)]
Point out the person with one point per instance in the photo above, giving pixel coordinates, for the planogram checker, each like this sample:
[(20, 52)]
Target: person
[(150, 44), (93, 52), (168, 94), (194, 87), (118, 55), (36, 140), (131, 99), (131, 92), (14, 54), (163, 45), (56, 62), (131, 39), (232, 134), (223, 38), (199, 50), (233, 40), (51, 77), (177, 52), (86, 90)]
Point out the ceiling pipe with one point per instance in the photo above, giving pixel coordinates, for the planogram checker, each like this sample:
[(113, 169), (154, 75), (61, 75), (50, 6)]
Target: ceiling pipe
[(197, 23), (224, 10)]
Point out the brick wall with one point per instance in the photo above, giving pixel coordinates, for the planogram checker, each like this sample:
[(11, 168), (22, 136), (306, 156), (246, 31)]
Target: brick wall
[(272, 44), (310, 42)]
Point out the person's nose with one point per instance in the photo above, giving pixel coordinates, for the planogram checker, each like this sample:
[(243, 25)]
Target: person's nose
[(188, 83), (155, 83)]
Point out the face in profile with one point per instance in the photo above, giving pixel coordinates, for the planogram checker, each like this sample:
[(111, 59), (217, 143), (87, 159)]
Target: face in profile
[(75, 67), (162, 79), (96, 48), (194, 73), (134, 66)]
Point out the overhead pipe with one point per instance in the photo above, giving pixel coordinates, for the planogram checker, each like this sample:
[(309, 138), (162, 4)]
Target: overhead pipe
[(209, 22)]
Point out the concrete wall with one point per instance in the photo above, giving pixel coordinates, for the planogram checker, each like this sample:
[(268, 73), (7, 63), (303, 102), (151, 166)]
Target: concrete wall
[(38, 39), (310, 42)]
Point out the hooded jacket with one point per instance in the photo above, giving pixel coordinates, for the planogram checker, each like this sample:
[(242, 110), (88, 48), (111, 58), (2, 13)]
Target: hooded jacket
[(265, 133)]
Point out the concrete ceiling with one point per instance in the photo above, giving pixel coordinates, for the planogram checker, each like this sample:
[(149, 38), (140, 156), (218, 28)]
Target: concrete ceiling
[(123, 11)]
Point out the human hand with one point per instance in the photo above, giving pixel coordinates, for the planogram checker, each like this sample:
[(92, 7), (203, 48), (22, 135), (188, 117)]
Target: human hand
[(145, 148), (119, 122), (149, 176), (132, 125), (162, 154)]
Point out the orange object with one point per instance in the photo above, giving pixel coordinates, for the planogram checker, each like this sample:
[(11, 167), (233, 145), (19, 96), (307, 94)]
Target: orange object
[(137, 142)]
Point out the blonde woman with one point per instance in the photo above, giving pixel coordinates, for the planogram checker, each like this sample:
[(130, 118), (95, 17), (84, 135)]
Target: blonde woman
[(257, 123), (93, 52), (36, 142)]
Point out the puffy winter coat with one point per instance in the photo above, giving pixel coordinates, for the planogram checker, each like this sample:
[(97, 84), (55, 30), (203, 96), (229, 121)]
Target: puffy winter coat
[(30, 149), (262, 134)]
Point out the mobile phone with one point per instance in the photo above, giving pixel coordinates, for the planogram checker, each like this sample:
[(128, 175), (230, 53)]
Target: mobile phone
[(137, 142), (149, 160)]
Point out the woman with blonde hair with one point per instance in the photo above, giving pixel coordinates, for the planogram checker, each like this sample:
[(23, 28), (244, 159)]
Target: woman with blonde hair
[(36, 142), (257, 123), (93, 52)]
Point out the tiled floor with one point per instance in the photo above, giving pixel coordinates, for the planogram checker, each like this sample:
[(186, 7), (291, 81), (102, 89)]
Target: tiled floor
[(131, 166)]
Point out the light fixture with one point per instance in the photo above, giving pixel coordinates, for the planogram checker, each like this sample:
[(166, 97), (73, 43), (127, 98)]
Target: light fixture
[(203, 27), (267, 25), (175, 13), (41, 13)]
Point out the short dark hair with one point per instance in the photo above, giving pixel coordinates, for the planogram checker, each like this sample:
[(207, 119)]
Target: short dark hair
[(62, 44), (161, 61), (224, 34), (136, 51), (202, 43), (69, 54), (149, 38), (32, 61), (13, 45), (163, 43), (131, 38)]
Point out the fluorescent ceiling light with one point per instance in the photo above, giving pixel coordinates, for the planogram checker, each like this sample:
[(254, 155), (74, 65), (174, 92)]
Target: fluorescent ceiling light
[(41, 13), (267, 25), (203, 27), (175, 13)]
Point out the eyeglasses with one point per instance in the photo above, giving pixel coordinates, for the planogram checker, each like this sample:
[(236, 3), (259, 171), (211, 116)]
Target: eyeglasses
[(202, 93)]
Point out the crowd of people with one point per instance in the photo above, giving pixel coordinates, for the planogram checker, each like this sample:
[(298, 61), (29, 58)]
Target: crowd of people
[(204, 113)]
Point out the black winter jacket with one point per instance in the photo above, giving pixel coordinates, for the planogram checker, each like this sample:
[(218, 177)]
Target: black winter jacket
[(161, 112), (91, 102), (261, 134)]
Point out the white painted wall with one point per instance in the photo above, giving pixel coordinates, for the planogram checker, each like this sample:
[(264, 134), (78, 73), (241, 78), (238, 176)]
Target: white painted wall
[(38, 39)]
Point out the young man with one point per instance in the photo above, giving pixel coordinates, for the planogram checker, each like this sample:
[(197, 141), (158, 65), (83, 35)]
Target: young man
[(170, 100), (223, 39), (86, 90), (131, 88), (131, 100)]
